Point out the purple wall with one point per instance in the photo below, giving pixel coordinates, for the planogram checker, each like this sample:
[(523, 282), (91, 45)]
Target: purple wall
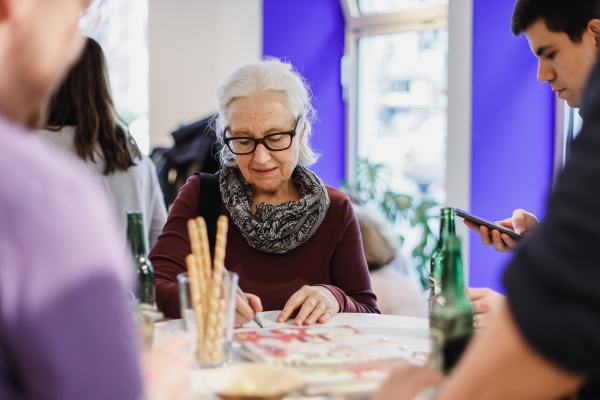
[(512, 131), (513, 114), (310, 35)]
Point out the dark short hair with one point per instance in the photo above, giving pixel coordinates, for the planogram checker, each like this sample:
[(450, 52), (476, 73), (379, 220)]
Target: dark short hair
[(568, 16)]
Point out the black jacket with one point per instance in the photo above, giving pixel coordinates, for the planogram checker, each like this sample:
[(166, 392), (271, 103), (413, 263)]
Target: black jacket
[(553, 282)]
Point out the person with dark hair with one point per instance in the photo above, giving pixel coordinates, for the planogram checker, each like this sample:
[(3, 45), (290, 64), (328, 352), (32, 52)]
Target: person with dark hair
[(559, 16), (562, 35), (544, 342), (294, 242), (81, 119)]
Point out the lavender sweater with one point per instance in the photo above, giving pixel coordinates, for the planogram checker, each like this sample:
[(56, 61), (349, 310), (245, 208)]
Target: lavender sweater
[(65, 329)]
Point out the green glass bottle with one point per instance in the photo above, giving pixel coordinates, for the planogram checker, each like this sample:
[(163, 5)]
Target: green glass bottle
[(437, 255), (451, 318), (145, 271)]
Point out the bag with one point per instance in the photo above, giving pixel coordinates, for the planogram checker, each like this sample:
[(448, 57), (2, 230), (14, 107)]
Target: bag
[(194, 150), (209, 205)]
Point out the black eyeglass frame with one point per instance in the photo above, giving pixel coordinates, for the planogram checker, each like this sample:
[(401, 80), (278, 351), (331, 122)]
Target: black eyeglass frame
[(262, 140)]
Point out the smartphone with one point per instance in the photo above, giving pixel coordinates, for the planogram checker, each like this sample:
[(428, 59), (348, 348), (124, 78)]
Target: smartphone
[(480, 221)]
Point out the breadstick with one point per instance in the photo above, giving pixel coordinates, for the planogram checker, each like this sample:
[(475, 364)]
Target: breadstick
[(193, 234), (200, 284), (205, 267), (218, 351), (195, 296), (216, 310), (197, 231), (220, 244), (206, 285), (212, 323), (205, 248)]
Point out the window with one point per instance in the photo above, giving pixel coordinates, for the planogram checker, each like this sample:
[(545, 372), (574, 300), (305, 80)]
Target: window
[(568, 123), (401, 114), (572, 127), (367, 7), (121, 28), (395, 82)]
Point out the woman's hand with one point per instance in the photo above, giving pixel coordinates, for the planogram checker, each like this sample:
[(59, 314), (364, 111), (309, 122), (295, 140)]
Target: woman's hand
[(316, 303), (245, 312), (486, 303), (165, 368)]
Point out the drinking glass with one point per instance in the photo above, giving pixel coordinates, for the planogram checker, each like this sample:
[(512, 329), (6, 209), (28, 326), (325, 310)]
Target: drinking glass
[(227, 316)]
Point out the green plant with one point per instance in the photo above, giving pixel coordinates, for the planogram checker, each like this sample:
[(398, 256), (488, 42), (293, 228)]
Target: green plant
[(405, 212)]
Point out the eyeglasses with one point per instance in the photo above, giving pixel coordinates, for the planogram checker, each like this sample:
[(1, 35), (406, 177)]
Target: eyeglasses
[(274, 142)]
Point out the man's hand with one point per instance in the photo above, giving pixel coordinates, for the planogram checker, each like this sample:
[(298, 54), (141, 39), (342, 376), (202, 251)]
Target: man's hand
[(407, 382), (521, 221), (316, 303), (486, 304)]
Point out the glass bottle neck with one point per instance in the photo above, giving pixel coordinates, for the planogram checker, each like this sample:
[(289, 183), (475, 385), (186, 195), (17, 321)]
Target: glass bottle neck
[(447, 223), (453, 278), (135, 233)]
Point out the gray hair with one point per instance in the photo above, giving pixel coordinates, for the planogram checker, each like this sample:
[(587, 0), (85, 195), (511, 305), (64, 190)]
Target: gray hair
[(268, 74)]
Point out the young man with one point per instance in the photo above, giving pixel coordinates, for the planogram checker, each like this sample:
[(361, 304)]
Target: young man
[(562, 35), (66, 331), (545, 341)]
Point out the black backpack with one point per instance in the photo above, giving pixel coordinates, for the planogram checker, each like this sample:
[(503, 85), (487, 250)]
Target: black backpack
[(209, 205), (194, 150)]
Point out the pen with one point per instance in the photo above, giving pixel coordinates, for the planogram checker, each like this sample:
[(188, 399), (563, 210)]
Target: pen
[(243, 295)]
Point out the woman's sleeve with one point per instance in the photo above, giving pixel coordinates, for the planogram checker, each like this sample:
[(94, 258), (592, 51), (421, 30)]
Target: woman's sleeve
[(351, 284), (171, 248)]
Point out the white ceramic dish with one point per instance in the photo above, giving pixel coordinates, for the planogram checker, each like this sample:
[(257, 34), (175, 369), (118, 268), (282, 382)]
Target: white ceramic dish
[(253, 381)]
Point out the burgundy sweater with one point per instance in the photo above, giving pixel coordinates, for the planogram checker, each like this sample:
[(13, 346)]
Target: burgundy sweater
[(333, 257)]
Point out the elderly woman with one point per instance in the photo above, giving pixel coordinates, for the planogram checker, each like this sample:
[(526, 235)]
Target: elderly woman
[(294, 242)]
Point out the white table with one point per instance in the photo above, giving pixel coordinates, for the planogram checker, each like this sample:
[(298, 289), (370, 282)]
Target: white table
[(414, 333)]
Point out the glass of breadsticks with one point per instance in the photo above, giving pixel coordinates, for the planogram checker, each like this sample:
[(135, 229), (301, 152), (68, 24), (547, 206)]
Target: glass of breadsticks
[(207, 294)]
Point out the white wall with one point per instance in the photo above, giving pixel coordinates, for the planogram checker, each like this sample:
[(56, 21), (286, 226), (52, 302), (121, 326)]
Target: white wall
[(193, 44)]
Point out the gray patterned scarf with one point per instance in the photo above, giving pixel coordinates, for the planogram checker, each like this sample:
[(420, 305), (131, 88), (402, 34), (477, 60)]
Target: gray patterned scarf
[(275, 228)]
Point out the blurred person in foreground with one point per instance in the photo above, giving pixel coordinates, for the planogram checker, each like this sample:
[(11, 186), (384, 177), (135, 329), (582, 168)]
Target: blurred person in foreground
[(294, 242), (544, 342), (65, 326), (82, 120), (562, 35), (394, 280)]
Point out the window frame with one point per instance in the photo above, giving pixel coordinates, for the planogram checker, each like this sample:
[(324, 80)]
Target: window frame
[(567, 124), (420, 18)]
